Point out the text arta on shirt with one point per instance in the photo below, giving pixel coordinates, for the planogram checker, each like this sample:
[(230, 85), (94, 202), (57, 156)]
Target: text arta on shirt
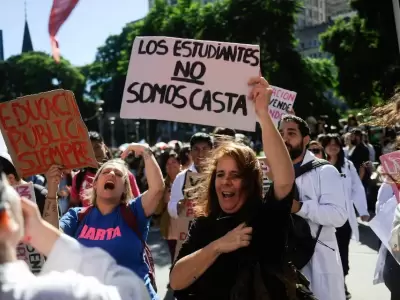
[(91, 233)]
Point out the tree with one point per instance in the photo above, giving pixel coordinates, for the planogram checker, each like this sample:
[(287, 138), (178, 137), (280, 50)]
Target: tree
[(264, 22), (35, 72), (365, 52)]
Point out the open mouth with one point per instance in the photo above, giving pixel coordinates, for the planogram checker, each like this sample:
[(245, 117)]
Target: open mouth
[(109, 185), (228, 194)]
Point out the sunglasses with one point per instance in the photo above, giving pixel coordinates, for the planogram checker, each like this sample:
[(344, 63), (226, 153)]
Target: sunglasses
[(315, 151)]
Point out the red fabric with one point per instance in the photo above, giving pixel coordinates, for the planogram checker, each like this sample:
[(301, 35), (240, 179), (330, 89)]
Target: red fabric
[(59, 13)]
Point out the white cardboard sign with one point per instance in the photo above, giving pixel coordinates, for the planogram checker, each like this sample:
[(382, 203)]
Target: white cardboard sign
[(191, 81), (281, 101), (25, 252)]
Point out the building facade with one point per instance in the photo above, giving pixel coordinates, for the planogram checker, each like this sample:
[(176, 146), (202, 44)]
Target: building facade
[(312, 13), (309, 42), (337, 7)]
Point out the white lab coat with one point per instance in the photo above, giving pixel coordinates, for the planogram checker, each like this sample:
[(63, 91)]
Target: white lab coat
[(324, 202), (385, 195), (71, 272), (355, 196)]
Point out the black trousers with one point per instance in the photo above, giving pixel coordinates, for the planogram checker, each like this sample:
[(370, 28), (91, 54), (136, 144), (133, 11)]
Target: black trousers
[(343, 236), (391, 275)]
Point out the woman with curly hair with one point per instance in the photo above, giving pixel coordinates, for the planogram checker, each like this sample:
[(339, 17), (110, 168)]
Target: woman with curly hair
[(236, 246)]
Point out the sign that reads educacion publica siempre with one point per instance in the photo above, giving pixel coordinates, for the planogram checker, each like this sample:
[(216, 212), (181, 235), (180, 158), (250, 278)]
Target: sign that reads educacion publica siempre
[(45, 129), (191, 81)]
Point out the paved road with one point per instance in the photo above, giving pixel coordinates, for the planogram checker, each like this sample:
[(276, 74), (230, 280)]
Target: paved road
[(362, 265)]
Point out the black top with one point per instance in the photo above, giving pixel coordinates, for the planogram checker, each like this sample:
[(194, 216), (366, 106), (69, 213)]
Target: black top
[(270, 220)]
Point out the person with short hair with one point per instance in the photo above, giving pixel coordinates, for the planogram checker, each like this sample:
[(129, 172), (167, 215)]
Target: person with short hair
[(321, 201)]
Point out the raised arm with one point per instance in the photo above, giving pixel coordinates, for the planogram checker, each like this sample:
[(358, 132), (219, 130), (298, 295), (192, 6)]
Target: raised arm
[(155, 181), (274, 147), (50, 211)]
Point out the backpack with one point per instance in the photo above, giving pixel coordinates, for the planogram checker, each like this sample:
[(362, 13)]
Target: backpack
[(301, 243), (130, 219)]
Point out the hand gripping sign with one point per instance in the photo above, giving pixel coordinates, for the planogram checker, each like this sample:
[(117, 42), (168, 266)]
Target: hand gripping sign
[(34, 259), (45, 129)]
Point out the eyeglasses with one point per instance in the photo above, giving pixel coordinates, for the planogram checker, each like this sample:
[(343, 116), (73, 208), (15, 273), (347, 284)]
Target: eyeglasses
[(316, 150)]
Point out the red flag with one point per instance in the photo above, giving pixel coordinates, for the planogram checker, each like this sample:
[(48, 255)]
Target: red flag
[(59, 13)]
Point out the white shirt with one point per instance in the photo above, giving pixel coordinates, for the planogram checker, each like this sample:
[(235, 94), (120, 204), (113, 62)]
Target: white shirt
[(71, 271), (177, 192)]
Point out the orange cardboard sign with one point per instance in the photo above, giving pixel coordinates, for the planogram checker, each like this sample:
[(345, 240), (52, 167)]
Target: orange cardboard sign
[(45, 129)]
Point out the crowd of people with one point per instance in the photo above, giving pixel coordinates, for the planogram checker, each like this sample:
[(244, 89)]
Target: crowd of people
[(291, 242)]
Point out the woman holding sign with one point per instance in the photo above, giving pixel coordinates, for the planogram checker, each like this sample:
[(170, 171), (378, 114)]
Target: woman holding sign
[(115, 222), (236, 247)]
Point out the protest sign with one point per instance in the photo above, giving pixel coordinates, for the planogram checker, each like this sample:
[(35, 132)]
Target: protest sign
[(281, 102), (33, 258), (191, 81), (267, 175), (391, 170), (186, 216), (45, 129)]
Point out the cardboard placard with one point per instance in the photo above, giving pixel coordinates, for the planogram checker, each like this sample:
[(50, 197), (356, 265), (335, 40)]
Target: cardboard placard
[(391, 169), (281, 102), (186, 216), (45, 129), (33, 258), (191, 81)]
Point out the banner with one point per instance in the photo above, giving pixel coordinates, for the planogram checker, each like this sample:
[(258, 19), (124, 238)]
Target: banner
[(191, 81), (391, 170), (186, 216), (34, 259), (45, 129)]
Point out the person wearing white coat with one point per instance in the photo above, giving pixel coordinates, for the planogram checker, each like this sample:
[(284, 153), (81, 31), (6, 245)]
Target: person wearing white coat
[(355, 196), (322, 202)]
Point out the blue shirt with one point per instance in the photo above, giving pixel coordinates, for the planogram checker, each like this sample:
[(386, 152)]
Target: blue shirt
[(111, 233)]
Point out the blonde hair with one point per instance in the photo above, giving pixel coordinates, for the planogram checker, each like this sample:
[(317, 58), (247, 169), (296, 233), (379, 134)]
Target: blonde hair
[(249, 167), (119, 163)]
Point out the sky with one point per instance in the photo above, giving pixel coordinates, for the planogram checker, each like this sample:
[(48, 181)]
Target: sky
[(86, 29)]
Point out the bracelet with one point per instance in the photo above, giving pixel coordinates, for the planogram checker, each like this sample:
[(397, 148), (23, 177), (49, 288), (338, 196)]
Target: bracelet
[(147, 152), (52, 198)]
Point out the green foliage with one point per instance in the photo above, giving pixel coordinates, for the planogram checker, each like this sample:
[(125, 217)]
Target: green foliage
[(366, 53), (35, 72), (265, 22)]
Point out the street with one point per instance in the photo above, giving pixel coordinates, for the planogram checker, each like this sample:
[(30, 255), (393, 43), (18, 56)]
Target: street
[(363, 258)]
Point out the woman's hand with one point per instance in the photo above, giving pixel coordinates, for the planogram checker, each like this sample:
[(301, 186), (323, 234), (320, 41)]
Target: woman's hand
[(53, 176), (237, 238), (32, 220), (260, 95), (38, 233), (138, 149)]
